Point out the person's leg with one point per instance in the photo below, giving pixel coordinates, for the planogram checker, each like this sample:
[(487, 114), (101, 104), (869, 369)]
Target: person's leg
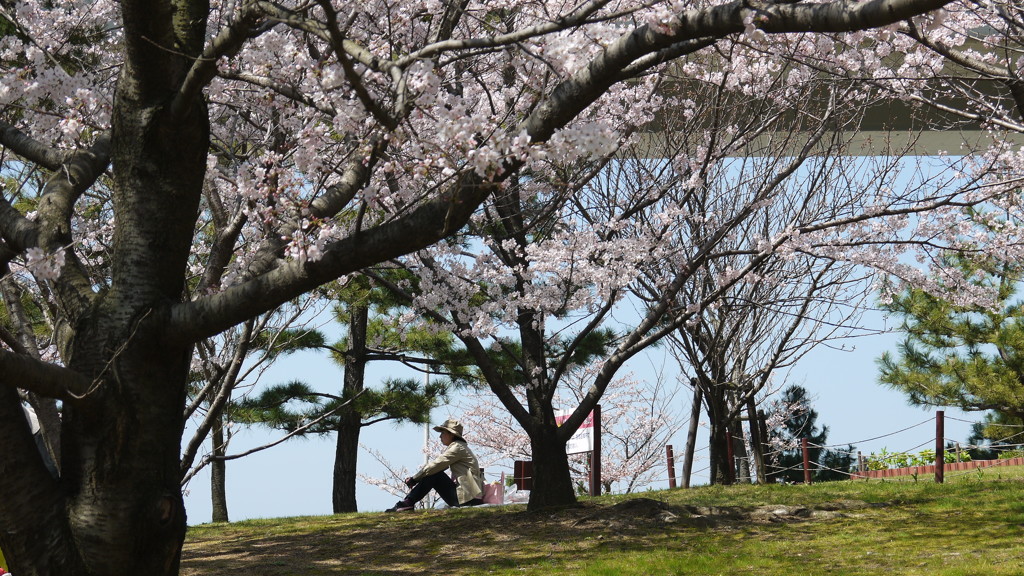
[(439, 482)]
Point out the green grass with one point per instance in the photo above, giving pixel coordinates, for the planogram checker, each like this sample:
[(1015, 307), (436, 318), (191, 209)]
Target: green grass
[(972, 525)]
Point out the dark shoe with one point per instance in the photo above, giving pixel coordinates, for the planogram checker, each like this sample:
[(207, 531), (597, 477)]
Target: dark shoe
[(473, 502), (401, 506)]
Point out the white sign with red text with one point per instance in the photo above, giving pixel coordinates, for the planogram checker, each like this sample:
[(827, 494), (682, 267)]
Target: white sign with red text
[(583, 439)]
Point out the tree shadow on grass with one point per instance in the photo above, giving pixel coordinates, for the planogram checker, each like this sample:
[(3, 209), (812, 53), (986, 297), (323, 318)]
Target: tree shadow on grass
[(463, 541)]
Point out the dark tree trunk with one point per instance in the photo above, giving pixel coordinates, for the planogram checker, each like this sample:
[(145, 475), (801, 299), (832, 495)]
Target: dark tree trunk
[(126, 513), (218, 472), (552, 481), (691, 435), (346, 455), (117, 508), (756, 445), (718, 442), (343, 495)]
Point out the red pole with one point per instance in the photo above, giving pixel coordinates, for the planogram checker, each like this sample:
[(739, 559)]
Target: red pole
[(940, 446), (671, 466), (807, 461)]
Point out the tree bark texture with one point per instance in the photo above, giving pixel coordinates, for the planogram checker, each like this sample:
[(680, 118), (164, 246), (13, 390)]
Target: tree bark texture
[(718, 441), (691, 434)]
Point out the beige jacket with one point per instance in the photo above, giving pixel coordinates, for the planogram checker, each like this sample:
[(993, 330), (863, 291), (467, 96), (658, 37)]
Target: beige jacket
[(465, 468)]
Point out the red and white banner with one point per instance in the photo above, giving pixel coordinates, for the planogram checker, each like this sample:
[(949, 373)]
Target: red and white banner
[(583, 439)]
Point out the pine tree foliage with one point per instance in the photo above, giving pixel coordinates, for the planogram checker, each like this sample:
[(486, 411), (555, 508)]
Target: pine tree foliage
[(293, 405), (801, 421), (967, 356)]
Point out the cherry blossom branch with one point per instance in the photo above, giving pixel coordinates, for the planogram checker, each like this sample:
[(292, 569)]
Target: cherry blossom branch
[(228, 42), (433, 220), (337, 40), (591, 81), (577, 18), (289, 92), (299, 21)]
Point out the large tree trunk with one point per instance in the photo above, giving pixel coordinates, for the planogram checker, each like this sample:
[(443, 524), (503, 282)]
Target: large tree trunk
[(343, 495), (125, 508), (117, 507), (552, 481), (346, 454)]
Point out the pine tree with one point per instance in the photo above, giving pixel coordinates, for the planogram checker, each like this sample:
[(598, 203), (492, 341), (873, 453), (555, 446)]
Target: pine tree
[(965, 356), (367, 311), (800, 421)]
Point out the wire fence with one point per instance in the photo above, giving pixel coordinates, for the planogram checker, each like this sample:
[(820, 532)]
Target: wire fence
[(1009, 451), (919, 459)]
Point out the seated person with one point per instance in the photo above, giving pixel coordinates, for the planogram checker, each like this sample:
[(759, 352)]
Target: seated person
[(467, 487)]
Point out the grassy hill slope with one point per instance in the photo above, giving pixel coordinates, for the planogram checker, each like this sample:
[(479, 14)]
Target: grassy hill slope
[(972, 525)]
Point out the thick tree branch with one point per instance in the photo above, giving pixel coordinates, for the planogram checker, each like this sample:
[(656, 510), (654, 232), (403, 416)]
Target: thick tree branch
[(354, 175), (30, 149), (590, 82), (56, 209), (433, 220), (43, 378)]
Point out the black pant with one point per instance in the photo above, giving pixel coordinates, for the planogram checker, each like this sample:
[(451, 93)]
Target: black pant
[(440, 483)]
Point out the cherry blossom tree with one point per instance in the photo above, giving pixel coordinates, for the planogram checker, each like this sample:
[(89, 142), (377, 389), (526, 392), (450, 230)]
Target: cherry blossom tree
[(718, 196), (637, 420), (736, 350), (268, 148)]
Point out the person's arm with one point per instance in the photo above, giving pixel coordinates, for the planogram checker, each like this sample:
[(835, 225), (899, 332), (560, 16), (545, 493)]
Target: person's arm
[(453, 453)]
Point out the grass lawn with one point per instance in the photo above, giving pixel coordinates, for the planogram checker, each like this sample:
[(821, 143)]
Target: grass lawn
[(972, 525)]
